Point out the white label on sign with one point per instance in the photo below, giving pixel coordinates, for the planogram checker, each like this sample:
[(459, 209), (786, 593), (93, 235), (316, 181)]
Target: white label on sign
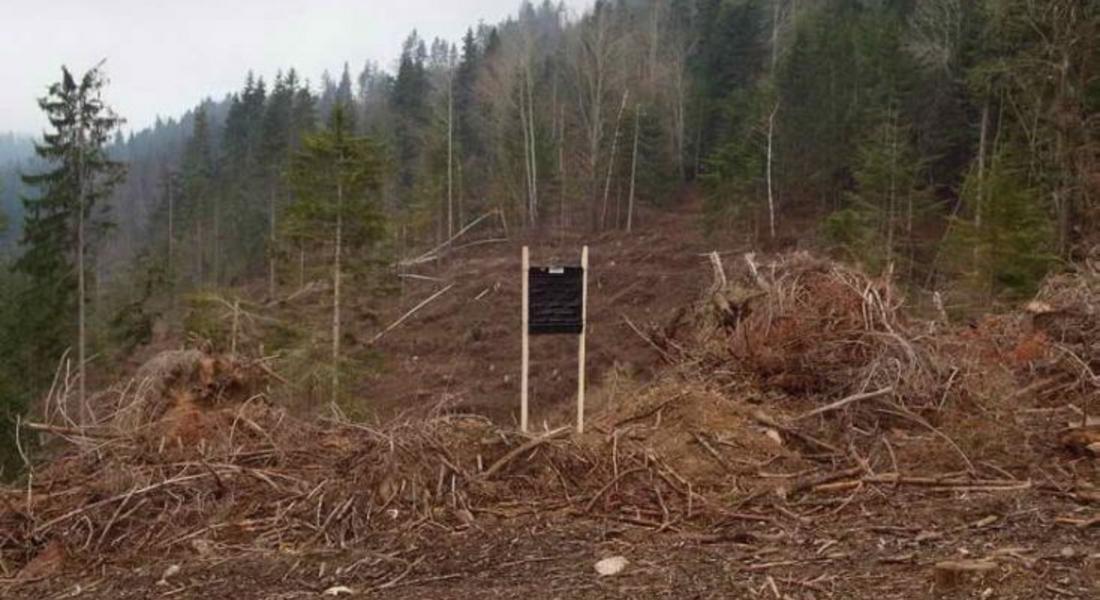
[(557, 270)]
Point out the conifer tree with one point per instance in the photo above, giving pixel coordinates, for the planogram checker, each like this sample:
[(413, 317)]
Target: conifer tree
[(334, 178), (878, 224), (62, 224), (198, 202), (1011, 250), (274, 153), (410, 103)]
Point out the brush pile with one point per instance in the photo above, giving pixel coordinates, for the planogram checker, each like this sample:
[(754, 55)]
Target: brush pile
[(190, 459), (807, 327), (1061, 339)]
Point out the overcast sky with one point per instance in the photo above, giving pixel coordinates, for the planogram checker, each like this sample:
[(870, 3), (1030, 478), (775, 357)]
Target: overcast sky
[(164, 56)]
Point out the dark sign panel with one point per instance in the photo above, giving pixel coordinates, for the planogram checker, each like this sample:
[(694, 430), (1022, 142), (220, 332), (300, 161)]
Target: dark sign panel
[(556, 300)]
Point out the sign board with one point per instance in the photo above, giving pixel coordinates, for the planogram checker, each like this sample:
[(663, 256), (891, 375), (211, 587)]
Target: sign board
[(556, 300)]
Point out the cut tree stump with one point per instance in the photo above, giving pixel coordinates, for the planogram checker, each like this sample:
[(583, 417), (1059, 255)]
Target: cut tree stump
[(955, 574)]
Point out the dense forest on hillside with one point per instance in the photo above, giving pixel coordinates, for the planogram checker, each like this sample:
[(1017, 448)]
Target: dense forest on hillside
[(951, 143)]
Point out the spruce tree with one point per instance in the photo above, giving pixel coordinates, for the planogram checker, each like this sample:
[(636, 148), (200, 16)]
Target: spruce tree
[(410, 103), (274, 152), (198, 203), (62, 224), (890, 198), (334, 178)]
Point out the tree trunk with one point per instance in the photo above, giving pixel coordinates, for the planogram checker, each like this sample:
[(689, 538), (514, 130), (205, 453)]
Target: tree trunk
[(529, 185), (171, 232), (450, 159), (633, 170), (271, 244), (771, 185), (982, 139), (200, 275), (892, 132), (336, 264), (301, 265), (611, 163), (85, 411), (217, 268), (775, 34), (534, 163), (655, 41), (679, 124), (561, 173)]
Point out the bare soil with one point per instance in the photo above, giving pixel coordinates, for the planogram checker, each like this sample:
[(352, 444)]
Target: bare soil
[(463, 350)]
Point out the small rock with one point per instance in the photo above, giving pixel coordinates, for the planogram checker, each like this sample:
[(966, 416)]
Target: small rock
[(611, 566), (202, 547), (774, 436), (338, 590), (171, 571)]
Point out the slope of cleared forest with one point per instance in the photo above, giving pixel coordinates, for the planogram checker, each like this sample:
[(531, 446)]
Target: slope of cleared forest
[(772, 426), (462, 349)]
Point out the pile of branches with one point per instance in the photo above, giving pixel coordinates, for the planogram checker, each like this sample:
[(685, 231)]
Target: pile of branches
[(810, 327), (1066, 313), (182, 466)]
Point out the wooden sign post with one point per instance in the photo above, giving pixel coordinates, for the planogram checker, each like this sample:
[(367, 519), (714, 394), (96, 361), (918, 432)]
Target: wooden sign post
[(555, 301), (580, 345), (526, 341)]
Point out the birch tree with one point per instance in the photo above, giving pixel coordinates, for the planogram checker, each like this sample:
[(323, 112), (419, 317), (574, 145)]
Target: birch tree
[(592, 55)]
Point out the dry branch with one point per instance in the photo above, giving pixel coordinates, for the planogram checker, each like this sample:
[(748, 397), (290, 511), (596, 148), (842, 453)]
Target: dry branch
[(411, 312), (845, 402), (436, 253), (522, 448)]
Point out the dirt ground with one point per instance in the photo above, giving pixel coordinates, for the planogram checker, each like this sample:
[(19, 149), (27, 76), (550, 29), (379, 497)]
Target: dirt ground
[(882, 545), (463, 349)]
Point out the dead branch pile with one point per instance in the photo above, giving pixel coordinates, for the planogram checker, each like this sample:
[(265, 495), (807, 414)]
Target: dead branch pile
[(1063, 333), (185, 467), (811, 327)]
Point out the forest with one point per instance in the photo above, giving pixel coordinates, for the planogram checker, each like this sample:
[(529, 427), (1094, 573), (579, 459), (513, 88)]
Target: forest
[(951, 144)]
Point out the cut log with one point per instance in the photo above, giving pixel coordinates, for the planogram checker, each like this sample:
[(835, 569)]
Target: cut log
[(956, 574)]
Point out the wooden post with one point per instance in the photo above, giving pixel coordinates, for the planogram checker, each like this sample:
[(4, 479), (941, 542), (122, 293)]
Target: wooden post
[(526, 349), (581, 346)]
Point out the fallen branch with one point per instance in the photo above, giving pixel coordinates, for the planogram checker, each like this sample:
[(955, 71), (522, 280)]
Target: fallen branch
[(845, 402), (405, 316), (762, 418), (522, 448), (812, 482), (433, 254), (647, 339), (1079, 523), (64, 431), (138, 492), (608, 486), (916, 419)]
